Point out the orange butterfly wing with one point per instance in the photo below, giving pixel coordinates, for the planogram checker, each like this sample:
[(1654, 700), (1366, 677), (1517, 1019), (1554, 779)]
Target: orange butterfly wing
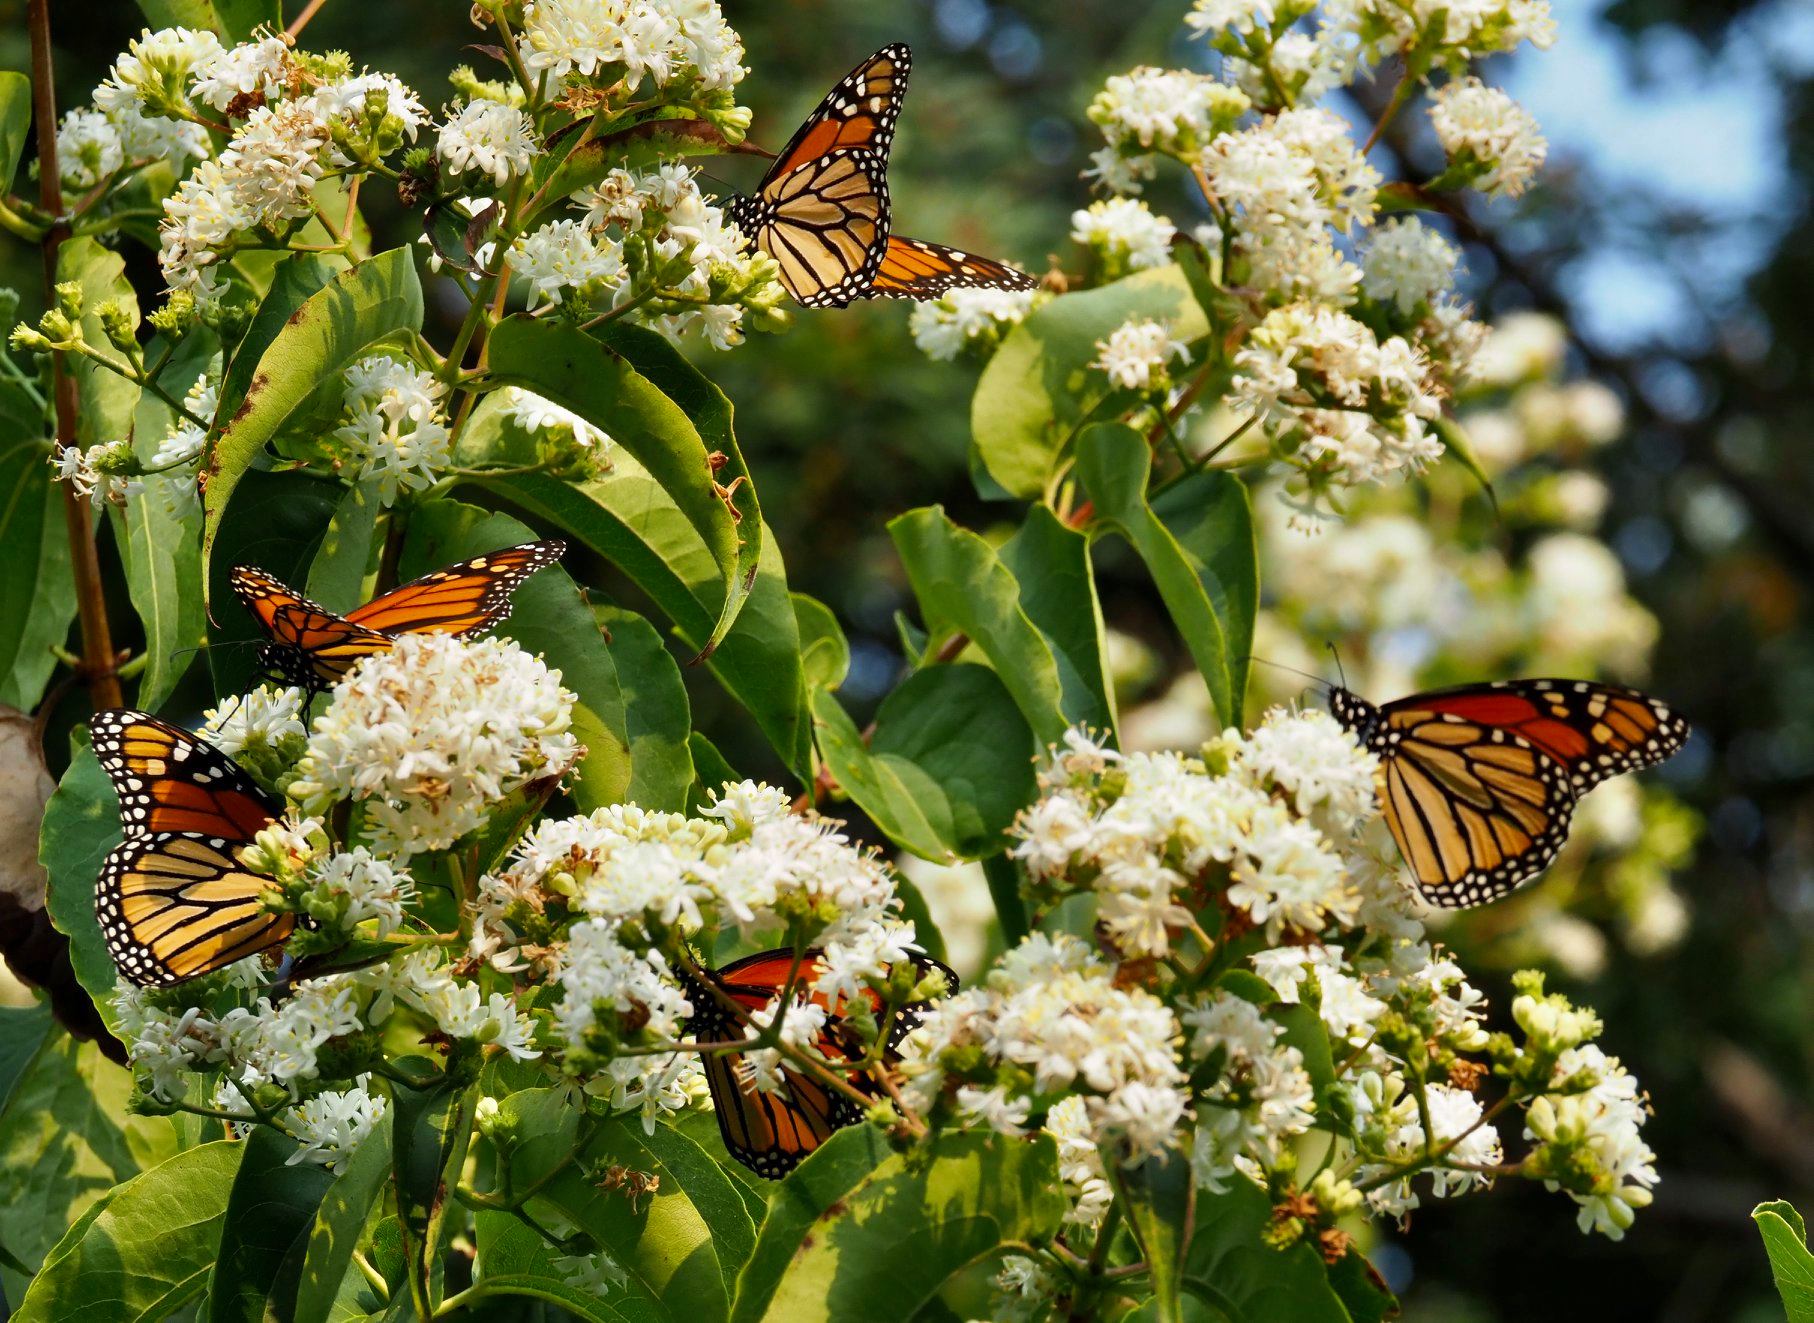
[(172, 900), (461, 599), (859, 114), (916, 269), (169, 781), (313, 646)]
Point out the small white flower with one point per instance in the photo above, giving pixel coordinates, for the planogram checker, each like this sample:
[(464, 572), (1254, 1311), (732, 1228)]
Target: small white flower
[(1488, 136), (258, 67), (562, 259), (155, 70), (394, 428), (1126, 233), (263, 718), (489, 138), (1137, 354), (962, 318), (332, 1125), (372, 888), (88, 149), (1408, 263)]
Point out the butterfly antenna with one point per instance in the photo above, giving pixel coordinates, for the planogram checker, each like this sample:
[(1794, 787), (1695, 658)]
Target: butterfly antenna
[(1280, 666), (1330, 644)]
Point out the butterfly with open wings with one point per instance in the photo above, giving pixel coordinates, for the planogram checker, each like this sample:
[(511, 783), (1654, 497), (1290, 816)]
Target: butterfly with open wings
[(770, 1133), (822, 209), (173, 900), (312, 648), (1478, 783)]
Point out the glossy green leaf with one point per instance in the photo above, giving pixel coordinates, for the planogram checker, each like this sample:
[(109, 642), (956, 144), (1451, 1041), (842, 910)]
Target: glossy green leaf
[(1202, 561), (239, 19), (15, 123), (710, 771), (548, 616), (963, 587), (682, 1245), (515, 1261), (1362, 1291), (1159, 1195), (159, 535), (23, 1030), (359, 307), (276, 522), (824, 651), (106, 400), (949, 765), (294, 279), (1304, 1030), (271, 1209), (348, 551), (656, 713), (338, 1224), (37, 585), (149, 1250), (1455, 441), (1051, 562), (179, 13), (81, 824), (1786, 1242), (1038, 388), (598, 381), (66, 1139), (859, 1231), (1230, 1267), (629, 520)]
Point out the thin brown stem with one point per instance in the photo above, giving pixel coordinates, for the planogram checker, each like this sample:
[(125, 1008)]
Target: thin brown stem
[(301, 20), (99, 660)]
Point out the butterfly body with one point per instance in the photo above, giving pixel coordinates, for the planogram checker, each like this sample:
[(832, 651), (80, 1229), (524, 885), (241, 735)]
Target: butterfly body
[(172, 898), (1478, 784), (771, 1133), (822, 209), (312, 648)]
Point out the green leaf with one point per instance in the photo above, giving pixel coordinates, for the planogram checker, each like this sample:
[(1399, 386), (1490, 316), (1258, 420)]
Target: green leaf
[(1232, 1269), (858, 1231), (276, 523), (1203, 568), (1038, 388), (638, 147), (37, 585), (1051, 562), (949, 765), (107, 400), (1159, 1195), (294, 279), (150, 1248), (515, 1261), (1304, 1030), (710, 770), (339, 1223), (337, 576), (629, 520), (271, 1209), (240, 18), (67, 1139), (1786, 1242), (824, 651), (681, 1245), (1456, 442), (657, 716), (1362, 1291), (334, 326), (161, 545), (23, 1030), (548, 616), (179, 14), (963, 587), (597, 380), (81, 824), (15, 123)]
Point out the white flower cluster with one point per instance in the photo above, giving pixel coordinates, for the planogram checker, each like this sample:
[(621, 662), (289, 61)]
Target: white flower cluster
[(1347, 403), (1141, 829), (429, 734), (1051, 1018), (1492, 142), (393, 427), (968, 319), (1124, 234), (1137, 355), (661, 40), (621, 875), (653, 238), (283, 1053), (487, 138)]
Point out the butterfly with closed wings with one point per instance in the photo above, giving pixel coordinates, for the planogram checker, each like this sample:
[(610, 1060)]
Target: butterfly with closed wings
[(173, 900), (770, 1133), (822, 209), (1478, 783), (312, 648)]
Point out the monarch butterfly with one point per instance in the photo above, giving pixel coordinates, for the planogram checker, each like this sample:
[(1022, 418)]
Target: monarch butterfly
[(311, 647), (770, 1133), (172, 899), (1478, 783), (822, 212)]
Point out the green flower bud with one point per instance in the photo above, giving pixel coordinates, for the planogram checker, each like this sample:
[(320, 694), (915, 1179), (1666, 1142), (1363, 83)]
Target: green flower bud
[(120, 323)]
